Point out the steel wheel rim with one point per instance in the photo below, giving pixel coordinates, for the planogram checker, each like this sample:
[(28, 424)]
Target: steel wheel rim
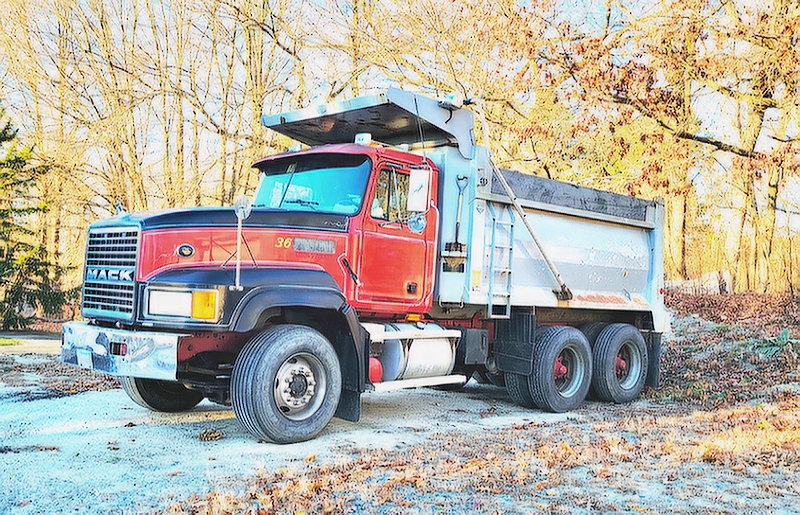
[(630, 376), (300, 386), (569, 384)]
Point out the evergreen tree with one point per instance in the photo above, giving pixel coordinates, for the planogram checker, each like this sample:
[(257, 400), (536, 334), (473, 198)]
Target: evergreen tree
[(27, 278)]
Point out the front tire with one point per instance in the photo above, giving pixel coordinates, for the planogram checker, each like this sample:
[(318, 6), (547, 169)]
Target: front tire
[(286, 384), (486, 377), (562, 369), (164, 396)]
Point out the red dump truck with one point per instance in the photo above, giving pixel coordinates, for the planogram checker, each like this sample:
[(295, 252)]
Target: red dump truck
[(388, 253)]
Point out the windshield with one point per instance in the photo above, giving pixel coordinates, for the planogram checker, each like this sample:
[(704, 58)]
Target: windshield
[(328, 183)]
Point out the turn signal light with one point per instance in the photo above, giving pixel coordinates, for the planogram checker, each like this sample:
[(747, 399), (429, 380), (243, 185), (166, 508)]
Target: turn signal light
[(204, 304)]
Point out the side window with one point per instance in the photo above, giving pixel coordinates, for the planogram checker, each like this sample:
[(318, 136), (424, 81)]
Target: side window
[(391, 196)]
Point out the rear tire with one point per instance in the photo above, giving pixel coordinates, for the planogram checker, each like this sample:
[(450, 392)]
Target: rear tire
[(517, 386), (620, 364), (562, 369), (164, 396), (592, 330), (286, 384)]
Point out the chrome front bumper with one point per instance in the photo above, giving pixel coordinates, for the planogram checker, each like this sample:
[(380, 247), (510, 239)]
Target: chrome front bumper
[(143, 354)]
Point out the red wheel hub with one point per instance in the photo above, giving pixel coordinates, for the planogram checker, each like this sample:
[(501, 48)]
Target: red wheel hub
[(560, 369), (621, 366)]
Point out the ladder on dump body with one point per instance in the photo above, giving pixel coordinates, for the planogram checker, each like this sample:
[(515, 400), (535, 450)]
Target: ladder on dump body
[(501, 255)]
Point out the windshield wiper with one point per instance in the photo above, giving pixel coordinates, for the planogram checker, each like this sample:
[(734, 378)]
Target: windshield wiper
[(291, 170)]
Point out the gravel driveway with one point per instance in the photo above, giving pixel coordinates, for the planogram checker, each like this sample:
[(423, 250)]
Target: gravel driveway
[(97, 452)]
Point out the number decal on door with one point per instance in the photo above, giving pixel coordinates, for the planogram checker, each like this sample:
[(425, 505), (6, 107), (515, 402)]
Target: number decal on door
[(283, 243)]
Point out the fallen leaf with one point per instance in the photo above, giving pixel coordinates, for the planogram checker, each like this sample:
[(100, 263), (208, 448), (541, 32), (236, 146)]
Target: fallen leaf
[(209, 435)]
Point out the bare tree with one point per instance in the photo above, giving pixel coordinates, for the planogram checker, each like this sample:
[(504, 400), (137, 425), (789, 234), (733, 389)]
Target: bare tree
[(158, 104), (714, 74)]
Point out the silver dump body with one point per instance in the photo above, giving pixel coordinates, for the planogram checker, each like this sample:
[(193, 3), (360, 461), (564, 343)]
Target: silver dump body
[(608, 248)]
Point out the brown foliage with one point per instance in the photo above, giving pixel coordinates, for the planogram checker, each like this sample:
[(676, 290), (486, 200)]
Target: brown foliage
[(771, 313)]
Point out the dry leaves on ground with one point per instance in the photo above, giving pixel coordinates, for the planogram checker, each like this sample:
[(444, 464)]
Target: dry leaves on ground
[(46, 376), (701, 423)]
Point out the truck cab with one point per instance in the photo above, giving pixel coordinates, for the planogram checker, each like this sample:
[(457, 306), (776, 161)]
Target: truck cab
[(370, 189)]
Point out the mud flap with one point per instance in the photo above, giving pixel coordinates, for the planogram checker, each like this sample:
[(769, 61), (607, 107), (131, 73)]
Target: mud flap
[(349, 406), (653, 360), (513, 345), (352, 377)]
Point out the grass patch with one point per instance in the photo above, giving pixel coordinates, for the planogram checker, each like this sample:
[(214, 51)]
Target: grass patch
[(4, 342), (772, 347)]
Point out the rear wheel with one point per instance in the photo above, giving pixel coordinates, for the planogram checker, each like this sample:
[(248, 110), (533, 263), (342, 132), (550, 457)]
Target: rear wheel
[(286, 384), (620, 364), (562, 369), (517, 386), (592, 330), (166, 396)]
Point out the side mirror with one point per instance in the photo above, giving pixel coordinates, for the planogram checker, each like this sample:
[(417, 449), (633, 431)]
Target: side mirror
[(242, 207), (418, 181)]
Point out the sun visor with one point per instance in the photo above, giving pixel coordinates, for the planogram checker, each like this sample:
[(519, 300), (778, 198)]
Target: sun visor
[(393, 117)]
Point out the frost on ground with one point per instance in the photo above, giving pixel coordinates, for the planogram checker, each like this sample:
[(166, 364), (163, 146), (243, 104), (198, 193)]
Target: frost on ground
[(722, 435)]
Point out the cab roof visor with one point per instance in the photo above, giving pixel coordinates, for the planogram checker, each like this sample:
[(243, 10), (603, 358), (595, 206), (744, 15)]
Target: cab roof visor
[(393, 117)]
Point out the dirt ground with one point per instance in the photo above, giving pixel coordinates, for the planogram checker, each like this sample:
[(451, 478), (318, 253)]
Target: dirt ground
[(721, 435)]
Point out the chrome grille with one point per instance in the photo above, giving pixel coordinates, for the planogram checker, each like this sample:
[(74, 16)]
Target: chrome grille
[(109, 287)]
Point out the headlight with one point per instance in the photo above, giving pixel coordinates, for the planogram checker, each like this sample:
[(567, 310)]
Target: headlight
[(195, 304)]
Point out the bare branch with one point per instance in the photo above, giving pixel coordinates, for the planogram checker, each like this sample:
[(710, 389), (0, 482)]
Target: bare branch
[(719, 145)]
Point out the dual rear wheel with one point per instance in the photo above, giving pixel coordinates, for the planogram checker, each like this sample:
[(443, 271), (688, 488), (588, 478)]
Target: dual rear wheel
[(611, 360), (620, 364)]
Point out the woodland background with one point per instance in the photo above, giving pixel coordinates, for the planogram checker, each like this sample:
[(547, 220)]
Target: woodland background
[(151, 104)]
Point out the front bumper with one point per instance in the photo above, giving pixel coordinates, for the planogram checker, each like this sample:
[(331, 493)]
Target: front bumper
[(143, 354)]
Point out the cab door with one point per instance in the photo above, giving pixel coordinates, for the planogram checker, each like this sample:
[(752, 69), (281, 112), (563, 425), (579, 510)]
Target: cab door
[(398, 245)]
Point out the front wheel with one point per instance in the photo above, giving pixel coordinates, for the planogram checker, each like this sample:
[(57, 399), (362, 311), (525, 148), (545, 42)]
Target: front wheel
[(166, 396), (286, 384), (486, 377), (562, 369)]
